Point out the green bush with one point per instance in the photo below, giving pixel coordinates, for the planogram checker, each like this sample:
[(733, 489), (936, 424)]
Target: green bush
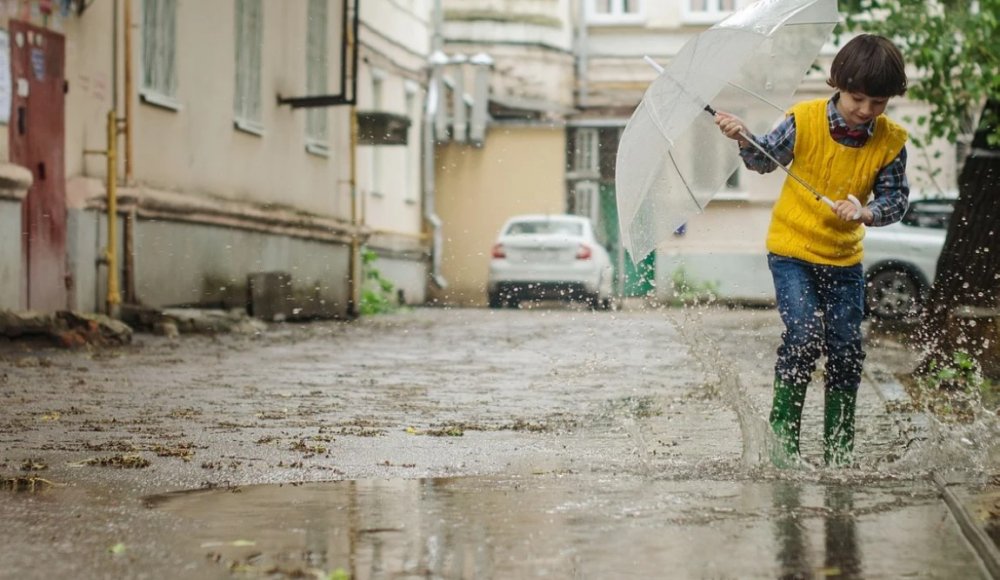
[(376, 291), (688, 291)]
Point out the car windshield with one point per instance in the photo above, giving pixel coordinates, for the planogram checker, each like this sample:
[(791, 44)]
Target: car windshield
[(557, 227)]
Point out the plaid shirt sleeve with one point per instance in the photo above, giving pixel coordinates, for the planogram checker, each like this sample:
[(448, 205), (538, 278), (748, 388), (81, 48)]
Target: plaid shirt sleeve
[(780, 143), (892, 192)]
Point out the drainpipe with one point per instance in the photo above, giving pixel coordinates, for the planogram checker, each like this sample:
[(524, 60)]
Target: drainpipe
[(459, 130), (431, 113), (128, 93), (354, 274), (582, 55)]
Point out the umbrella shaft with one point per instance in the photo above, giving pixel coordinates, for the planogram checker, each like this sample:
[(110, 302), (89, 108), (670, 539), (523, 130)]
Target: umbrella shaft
[(819, 196)]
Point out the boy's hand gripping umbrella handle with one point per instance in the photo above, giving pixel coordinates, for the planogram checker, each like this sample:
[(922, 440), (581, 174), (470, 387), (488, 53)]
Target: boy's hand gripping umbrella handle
[(749, 139)]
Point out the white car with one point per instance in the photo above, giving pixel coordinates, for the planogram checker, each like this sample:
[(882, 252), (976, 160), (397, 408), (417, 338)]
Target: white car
[(549, 257), (901, 259)]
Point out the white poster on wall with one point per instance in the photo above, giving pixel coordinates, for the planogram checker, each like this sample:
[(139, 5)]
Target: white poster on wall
[(4, 77)]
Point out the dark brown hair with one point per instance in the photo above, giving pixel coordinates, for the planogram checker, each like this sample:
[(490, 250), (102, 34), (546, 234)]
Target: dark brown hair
[(870, 65)]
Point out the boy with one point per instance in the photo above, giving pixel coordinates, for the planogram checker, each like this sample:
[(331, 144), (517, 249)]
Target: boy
[(841, 146)]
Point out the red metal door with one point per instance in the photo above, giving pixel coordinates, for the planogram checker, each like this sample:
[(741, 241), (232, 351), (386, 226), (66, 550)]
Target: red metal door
[(36, 141)]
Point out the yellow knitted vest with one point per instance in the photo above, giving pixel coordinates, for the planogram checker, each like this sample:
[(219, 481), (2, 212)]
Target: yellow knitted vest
[(805, 228)]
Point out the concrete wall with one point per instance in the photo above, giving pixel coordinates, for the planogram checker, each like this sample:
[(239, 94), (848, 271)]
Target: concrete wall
[(521, 169), (189, 263)]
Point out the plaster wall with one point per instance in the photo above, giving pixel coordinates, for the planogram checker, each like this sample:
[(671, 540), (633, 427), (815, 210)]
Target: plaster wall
[(521, 169)]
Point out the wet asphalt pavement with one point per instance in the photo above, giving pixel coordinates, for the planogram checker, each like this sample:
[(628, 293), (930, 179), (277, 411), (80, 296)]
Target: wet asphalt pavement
[(465, 443)]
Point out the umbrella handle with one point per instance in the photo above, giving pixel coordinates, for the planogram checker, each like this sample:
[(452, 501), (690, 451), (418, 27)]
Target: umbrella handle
[(851, 198)]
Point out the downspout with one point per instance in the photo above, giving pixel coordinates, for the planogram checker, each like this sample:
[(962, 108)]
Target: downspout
[(131, 296), (433, 109), (354, 275), (128, 93), (582, 55)]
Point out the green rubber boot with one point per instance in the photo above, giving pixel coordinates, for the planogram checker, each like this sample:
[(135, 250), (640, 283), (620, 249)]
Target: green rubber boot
[(838, 427), (786, 422)]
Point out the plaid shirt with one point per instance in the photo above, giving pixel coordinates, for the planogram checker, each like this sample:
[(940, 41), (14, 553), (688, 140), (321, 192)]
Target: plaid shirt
[(891, 187)]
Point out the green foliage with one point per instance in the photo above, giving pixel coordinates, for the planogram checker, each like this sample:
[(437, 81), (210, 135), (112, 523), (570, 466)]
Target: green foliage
[(376, 292), (954, 389), (961, 373), (954, 45), (688, 291)]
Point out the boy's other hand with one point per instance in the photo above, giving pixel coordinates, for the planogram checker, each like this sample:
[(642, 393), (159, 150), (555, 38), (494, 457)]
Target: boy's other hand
[(846, 211)]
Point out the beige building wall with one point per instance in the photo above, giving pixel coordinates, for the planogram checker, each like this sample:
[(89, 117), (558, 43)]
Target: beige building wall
[(192, 144), (521, 169)]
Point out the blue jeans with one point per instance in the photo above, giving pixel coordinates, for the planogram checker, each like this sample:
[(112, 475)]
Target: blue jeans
[(822, 308)]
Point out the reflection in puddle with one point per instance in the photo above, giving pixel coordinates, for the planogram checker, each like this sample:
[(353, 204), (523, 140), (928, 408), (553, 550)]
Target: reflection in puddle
[(568, 527)]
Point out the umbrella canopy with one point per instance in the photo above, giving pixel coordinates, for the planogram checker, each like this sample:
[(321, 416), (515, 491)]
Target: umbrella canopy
[(672, 159)]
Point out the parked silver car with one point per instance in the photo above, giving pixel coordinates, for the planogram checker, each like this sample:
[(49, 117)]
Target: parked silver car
[(901, 259), (549, 257)]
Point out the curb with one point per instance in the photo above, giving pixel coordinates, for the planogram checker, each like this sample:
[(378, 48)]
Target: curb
[(913, 426)]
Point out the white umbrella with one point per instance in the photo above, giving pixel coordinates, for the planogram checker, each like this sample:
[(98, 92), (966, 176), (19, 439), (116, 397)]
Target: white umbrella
[(759, 53)]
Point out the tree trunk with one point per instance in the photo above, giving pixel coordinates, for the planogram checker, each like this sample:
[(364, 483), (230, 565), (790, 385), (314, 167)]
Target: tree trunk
[(963, 310)]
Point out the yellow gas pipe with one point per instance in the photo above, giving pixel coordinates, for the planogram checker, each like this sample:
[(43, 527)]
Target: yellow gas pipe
[(110, 256)]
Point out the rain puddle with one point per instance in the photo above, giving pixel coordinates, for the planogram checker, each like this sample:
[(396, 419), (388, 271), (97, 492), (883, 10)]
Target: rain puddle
[(568, 527)]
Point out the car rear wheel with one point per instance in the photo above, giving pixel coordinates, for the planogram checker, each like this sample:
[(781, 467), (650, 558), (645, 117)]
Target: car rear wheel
[(892, 294)]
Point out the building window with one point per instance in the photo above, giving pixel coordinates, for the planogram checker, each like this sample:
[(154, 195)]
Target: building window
[(615, 11), (586, 152), (249, 37), (707, 11), (159, 46), (316, 69), (586, 195)]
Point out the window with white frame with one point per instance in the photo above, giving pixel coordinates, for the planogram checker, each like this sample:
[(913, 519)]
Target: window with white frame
[(159, 47), (316, 69), (707, 11), (249, 37), (586, 152), (614, 11), (586, 195)]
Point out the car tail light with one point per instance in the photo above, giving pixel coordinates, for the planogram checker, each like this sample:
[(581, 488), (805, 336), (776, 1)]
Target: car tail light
[(498, 252), (584, 252)]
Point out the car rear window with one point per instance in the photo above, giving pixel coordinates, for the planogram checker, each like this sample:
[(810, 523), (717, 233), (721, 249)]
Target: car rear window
[(545, 227)]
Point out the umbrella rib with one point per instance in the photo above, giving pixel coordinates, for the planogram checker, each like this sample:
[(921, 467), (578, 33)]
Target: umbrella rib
[(756, 95), (701, 208)]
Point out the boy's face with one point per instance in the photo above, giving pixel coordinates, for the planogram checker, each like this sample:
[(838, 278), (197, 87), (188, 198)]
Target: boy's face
[(859, 108)]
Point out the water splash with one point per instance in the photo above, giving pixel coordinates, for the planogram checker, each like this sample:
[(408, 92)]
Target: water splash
[(758, 442), (971, 448)]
